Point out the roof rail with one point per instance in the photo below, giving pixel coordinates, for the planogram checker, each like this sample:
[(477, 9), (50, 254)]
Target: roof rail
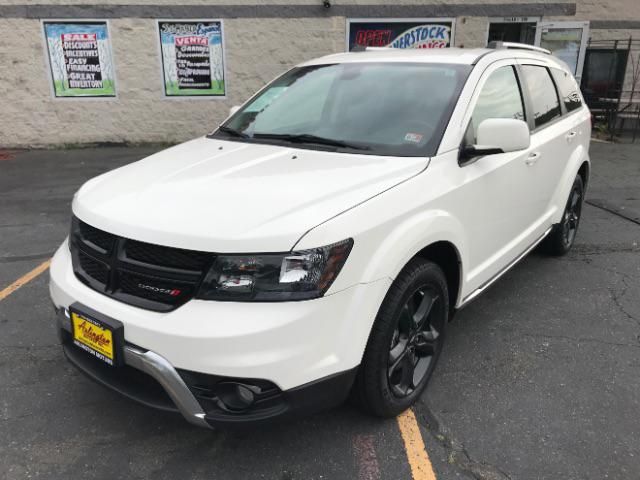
[(517, 46)]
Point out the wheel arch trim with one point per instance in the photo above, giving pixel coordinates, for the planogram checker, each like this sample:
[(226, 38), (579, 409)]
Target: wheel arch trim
[(576, 162)]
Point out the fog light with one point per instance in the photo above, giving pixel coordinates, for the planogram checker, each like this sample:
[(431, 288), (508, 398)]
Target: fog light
[(236, 397)]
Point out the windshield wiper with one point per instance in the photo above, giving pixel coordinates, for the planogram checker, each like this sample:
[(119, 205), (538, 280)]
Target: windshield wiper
[(232, 131), (309, 138)]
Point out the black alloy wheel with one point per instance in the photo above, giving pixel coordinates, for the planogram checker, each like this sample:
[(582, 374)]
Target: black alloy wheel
[(563, 235), (416, 340), (571, 217), (405, 341)]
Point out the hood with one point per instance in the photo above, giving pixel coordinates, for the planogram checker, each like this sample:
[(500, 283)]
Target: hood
[(222, 196)]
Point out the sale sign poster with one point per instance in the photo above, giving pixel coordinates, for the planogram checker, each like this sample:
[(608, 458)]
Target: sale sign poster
[(427, 33), (80, 59), (192, 58)]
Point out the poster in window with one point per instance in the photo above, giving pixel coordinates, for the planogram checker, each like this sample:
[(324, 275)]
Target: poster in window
[(414, 33), (80, 58), (192, 58)]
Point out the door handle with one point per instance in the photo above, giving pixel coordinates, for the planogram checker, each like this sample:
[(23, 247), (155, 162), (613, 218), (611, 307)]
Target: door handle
[(570, 136), (533, 158)]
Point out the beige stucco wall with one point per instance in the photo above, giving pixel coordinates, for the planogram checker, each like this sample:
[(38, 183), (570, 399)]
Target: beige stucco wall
[(257, 49)]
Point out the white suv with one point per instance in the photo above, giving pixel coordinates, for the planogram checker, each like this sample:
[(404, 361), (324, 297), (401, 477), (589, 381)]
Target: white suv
[(319, 240)]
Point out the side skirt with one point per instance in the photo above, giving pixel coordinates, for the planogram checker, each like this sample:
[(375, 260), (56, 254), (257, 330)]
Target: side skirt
[(473, 295)]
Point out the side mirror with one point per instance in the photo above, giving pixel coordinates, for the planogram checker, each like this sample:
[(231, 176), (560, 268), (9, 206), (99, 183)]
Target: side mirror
[(234, 109), (499, 135)]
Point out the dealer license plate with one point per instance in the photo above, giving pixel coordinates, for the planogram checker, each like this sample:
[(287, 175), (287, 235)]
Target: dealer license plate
[(94, 337)]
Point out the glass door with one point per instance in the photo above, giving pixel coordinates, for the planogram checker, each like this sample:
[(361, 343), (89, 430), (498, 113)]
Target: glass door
[(567, 41)]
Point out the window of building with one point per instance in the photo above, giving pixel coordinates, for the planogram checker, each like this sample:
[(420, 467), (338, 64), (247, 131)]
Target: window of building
[(544, 97), (519, 32), (603, 73)]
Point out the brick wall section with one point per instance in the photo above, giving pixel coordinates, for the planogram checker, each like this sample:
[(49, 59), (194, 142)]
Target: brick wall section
[(257, 49)]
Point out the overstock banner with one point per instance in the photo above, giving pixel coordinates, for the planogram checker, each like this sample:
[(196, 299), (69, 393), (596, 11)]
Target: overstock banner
[(80, 59), (400, 34), (192, 58)]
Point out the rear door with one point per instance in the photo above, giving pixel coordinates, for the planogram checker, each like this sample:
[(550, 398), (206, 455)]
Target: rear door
[(553, 136), (575, 128)]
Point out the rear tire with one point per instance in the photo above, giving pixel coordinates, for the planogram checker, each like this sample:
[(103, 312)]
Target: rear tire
[(405, 341), (563, 234)]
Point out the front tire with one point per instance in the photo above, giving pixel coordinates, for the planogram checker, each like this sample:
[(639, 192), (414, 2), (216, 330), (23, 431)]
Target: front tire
[(405, 341), (563, 235)]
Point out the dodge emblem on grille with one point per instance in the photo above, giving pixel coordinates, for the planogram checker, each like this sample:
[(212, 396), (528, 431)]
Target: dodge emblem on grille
[(174, 292)]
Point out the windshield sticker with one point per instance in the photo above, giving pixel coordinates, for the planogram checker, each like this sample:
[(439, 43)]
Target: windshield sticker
[(413, 137)]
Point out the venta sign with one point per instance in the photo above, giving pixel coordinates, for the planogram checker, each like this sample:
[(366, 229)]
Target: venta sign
[(400, 34)]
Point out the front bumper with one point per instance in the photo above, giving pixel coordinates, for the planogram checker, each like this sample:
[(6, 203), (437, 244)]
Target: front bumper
[(302, 356), (150, 363), (151, 380)]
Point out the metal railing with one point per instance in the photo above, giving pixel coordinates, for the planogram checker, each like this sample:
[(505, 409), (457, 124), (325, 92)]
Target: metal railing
[(611, 86)]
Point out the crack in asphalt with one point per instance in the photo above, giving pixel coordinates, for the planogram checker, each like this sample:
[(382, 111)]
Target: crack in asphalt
[(588, 250), (53, 410), (22, 258), (580, 339), (456, 452), (617, 298), (601, 206), (30, 347)]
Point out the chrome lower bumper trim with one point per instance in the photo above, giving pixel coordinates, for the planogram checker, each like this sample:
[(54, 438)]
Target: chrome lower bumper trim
[(161, 370)]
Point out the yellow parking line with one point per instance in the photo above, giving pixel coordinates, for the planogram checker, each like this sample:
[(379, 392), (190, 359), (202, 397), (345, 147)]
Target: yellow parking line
[(421, 468), (23, 280)]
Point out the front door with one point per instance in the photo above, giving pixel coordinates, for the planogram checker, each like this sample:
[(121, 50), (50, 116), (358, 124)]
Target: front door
[(499, 198), (567, 41)]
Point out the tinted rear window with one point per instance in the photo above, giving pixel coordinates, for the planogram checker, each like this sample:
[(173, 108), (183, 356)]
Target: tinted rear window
[(568, 89), (544, 97)]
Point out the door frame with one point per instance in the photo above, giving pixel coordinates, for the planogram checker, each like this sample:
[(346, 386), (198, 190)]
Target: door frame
[(583, 41)]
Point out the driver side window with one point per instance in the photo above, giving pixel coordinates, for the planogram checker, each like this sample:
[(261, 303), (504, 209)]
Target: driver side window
[(500, 97)]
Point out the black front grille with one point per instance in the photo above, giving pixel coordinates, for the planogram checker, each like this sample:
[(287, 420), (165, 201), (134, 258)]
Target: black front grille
[(96, 238), (95, 269), (168, 257), (150, 276)]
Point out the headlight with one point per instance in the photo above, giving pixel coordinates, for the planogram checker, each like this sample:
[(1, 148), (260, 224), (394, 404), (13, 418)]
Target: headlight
[(270, 277)]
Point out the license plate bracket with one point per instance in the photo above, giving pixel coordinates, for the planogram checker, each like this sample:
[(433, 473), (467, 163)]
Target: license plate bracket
[(97, 334)]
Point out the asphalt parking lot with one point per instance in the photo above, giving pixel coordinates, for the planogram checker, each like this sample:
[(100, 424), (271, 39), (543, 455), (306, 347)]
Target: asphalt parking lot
[(540, 377)]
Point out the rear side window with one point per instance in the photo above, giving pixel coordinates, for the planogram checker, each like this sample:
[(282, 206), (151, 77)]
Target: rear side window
[(544, 97), (568, 89), (500, 97)]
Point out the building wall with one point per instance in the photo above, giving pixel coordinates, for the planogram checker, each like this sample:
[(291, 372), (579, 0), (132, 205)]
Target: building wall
[(265, 38)]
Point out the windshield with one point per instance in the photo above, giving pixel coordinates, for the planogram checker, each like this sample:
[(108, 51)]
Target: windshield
[(396, 109)]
